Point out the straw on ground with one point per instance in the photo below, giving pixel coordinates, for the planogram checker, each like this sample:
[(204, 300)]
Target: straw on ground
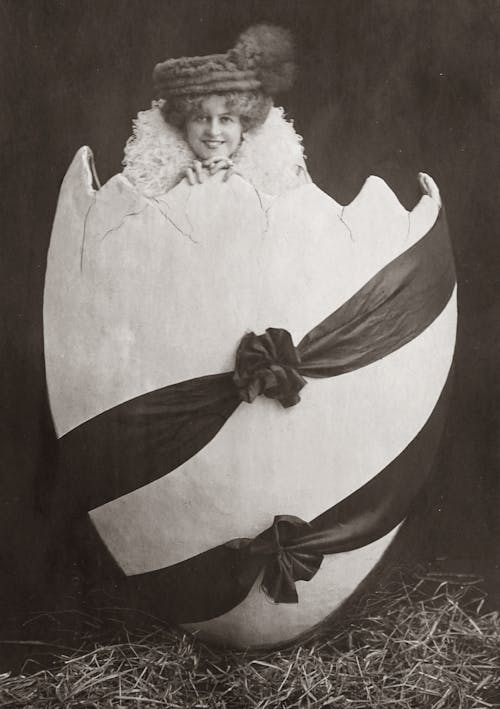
[(418, 641)]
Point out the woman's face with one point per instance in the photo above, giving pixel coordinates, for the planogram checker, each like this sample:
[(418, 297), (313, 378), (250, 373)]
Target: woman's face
[(214, 131)]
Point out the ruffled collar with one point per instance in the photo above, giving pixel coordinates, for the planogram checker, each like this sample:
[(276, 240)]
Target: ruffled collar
[(156, 155)]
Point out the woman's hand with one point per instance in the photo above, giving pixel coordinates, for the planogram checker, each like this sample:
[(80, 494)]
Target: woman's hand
[(429, 187), (218, 163), (199, 171)]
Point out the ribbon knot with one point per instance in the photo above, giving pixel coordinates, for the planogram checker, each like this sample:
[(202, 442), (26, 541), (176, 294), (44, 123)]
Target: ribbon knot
[(267, 364), (277, 551)]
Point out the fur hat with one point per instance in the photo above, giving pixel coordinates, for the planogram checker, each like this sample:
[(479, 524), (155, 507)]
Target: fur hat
[(262, 60)]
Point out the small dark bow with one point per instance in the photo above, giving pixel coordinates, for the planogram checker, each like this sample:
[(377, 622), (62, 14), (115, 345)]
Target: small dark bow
[(276, 551), (267, 364)]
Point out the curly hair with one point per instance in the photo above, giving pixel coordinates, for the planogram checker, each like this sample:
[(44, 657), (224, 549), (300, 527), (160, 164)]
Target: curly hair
[(252, 108)]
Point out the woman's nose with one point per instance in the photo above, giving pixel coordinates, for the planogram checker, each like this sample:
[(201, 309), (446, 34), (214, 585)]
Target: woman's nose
[(213, 127)]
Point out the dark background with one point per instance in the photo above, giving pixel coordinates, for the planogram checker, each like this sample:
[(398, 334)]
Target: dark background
[(389, 87)]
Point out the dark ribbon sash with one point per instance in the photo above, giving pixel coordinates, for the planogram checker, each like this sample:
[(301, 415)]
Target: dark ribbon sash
[(213, 582), (147, 437)]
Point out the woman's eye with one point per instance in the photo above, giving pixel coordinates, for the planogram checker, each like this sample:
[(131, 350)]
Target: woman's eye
[(226, 119)]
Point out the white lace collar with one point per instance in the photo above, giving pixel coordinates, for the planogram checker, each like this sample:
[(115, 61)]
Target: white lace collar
[(156, 155)]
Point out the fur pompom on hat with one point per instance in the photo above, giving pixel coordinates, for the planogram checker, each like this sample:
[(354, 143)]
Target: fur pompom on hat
[(270, 51), (262, 60)]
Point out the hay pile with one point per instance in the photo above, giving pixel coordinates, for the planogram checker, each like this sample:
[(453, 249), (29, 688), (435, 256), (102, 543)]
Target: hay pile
[(419, 640)]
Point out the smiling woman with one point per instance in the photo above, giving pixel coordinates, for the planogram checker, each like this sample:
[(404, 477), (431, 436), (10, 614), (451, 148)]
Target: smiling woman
[(215, 132)]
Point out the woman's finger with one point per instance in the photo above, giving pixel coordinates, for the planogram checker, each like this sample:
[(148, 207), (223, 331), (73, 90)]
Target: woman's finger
[(218, 166), (230, 171), (216, 158), (190, 176), (198, 168)]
